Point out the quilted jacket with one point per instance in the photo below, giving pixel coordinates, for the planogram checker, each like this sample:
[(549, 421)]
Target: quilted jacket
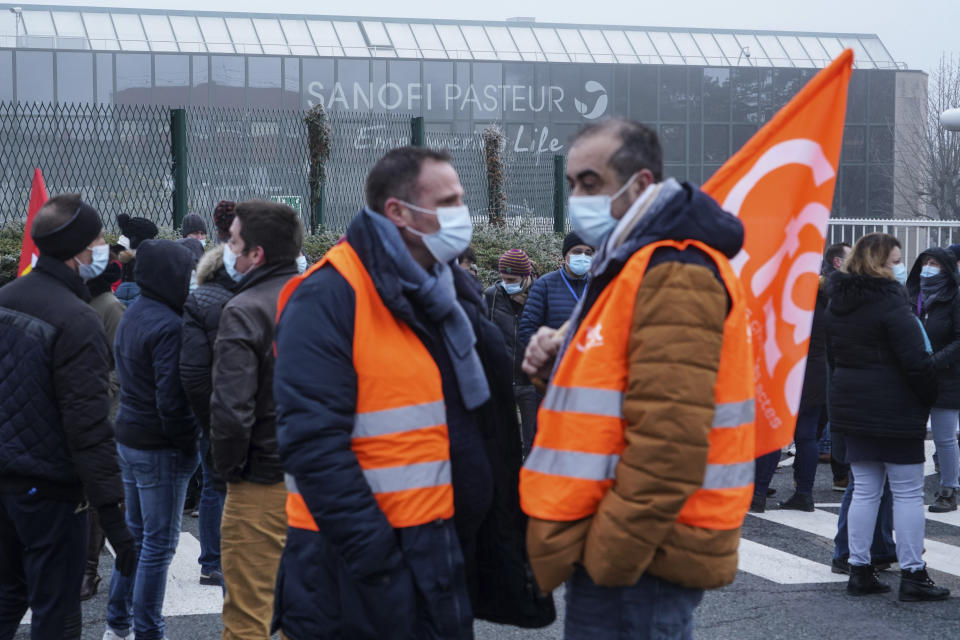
[(55, 434)]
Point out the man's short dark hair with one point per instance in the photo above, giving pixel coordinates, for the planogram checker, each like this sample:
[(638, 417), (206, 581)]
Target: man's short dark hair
[(639, 146), (395, 175), (272, 226), (55, 213), (835, 251)]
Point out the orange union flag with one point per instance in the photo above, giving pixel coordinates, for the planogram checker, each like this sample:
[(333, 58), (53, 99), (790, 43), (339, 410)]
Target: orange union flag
[(780, 184)]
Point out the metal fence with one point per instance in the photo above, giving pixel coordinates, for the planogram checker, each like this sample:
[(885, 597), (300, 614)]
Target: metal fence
[(915, 236)]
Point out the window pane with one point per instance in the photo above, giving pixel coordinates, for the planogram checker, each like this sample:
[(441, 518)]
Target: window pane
[(6, 76), (881, 57), (325, 38), (34, 76), (159, 33), (716, 95), (428, 40), (376, 34), (778, 57), (440, 103), (746, 95), (710, 48), (643, 93), (861, 58), (833, 46), (171, 84), (130, 32), (244, 37), (881, 191), (291, 83), (688, 48), (673, 93), (403, 40), (271, 36), (741, 134), (100, 31), (854, 147), (187, 33), (673, 138), (38, 23), (550, 43), (354, 77), (298, 37), (227, 81), (815, 50), (732, 50), (351, 39), (134, 78), (716, 144), (453, 41), (574, 45), (68, 24), (750, 45), (597, 45), (621, 47), (478, 43), (668, 51), (215, 34), (503, 43), (795, 50), (200, 93), (104, 78), (644, 47), (853, 191), (75, 77), (265, 82), (857, 97), (882, 96)]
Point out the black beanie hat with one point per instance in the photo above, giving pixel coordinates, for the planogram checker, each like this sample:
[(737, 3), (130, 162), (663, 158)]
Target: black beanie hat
[(72, 237), (136, 229), (570, 242), (192, 223), (955, 250)]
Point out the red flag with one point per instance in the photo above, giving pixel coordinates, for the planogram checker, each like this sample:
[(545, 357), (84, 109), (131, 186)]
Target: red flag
[(780, 184), (38, 197)]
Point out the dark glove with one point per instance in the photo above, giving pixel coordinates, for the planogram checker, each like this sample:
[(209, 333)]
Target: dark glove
[(114, 526)]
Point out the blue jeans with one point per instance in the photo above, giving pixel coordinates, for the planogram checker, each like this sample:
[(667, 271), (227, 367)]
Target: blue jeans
[(155, 486), (652, 609), (906, 484), (211, 511), (883, 545), (805, 438), (943, 424)]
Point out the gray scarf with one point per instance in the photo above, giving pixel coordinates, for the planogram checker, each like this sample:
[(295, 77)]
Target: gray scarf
[(433, 293), (934, 288)]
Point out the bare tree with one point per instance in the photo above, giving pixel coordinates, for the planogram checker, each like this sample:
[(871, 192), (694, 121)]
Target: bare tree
[(928, 157)]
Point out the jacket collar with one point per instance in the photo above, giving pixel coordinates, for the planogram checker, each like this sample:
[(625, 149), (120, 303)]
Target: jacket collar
[(59, 271), (267, 272)]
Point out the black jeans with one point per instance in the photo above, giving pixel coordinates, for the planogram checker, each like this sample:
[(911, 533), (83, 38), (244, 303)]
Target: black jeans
[(43, 548), (528, 399)]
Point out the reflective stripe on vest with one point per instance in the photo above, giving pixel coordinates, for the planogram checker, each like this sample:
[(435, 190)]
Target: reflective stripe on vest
[(581, 423), (399, 433)]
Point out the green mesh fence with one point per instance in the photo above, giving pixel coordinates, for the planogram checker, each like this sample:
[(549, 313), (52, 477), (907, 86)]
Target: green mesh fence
[(236, 154), (528, 182), (117, 158), (466, 154)]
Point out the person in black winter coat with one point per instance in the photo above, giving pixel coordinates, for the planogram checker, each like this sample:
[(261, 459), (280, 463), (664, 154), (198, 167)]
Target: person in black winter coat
[(201, 319), (933, 287), (553, 296), (882, 385), (57, 452), (155, 430), (504, 302)]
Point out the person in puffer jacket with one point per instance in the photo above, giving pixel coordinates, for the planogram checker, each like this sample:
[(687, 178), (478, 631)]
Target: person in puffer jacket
[(156, 433)]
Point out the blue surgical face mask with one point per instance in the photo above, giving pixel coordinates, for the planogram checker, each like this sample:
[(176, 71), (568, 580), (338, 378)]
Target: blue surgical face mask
[(590, 216), (453, 236), (513, 288), (928, 271), (98, 262), (900, 273), (301, 263), (580, 263), (230, 264)]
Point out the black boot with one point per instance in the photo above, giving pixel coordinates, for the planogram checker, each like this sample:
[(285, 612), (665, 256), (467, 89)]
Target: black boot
[(798, 502), (758, 504), (864, 581), (916, 586), (946, 501)]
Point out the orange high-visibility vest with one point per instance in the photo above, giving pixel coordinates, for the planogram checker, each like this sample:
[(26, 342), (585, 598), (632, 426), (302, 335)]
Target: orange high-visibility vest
[(399, 431), (580, 432)]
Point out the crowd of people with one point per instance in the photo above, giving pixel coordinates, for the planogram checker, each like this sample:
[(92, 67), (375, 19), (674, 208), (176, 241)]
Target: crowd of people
[(383, 449)]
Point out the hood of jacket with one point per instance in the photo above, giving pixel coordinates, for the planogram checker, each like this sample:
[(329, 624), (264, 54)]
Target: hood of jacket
[(162, 270), (210, 264), (948, 265), (848, 291)]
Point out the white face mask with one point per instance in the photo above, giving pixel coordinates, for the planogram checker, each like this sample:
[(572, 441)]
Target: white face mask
[(301, 263), (124, 242), (454, 234), (230, 264), (590, 216), (203, 242), (101, 256)]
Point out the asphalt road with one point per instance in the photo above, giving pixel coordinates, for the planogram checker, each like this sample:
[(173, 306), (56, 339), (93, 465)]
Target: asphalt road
[(784, 590)]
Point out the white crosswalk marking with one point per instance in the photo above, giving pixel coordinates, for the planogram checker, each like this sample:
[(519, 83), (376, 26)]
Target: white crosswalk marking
[(185, 595), (782, 567)]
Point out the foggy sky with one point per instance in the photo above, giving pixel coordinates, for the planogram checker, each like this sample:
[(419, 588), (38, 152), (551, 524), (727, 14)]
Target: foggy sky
[(916, 33)]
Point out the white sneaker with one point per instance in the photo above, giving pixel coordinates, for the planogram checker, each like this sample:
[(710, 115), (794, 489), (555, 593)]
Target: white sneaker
[(110, 634)]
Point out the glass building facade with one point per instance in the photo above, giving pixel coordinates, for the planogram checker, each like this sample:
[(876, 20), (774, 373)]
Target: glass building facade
[(706, 92)]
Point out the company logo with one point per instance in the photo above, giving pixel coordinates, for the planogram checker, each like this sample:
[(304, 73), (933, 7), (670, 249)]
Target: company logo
[(593, 338), (599, 108)]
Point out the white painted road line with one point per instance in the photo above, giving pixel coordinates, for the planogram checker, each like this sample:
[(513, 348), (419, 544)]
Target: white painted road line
[(782, 567), (185, 595), (939, 556)]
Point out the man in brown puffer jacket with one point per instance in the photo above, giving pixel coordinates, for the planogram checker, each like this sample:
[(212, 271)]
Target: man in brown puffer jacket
[(642, 467)]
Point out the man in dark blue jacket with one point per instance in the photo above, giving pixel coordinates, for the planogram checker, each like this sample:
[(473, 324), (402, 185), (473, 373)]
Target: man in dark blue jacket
[(347, 571), (57, 453), (156, 434), (553, 296)]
